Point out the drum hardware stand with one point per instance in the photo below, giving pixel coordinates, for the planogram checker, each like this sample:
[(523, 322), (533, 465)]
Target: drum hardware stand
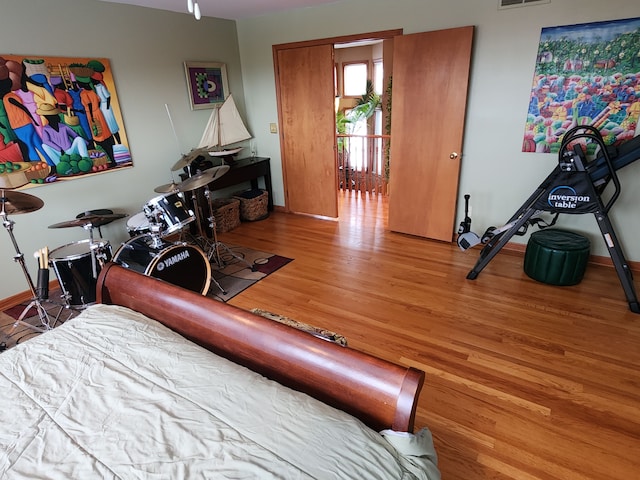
[(212, 249), (46, 321), (93, 246), (202, 238)]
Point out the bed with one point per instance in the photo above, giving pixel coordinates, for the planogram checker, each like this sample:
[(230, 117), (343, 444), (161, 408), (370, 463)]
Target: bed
[(158, 382)]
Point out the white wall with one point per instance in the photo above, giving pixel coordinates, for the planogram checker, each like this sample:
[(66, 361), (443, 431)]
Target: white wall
[(146, 49), (495, 172)]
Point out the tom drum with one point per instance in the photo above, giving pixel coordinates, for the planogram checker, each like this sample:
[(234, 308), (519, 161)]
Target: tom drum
[(138, 224), (169, 211), (180, 264)]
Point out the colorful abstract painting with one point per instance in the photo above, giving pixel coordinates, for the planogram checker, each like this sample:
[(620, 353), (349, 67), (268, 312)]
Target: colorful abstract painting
[(59, 120), (586, 74)]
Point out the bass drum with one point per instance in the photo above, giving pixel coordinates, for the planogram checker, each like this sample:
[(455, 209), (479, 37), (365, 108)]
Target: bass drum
[(177, 263)]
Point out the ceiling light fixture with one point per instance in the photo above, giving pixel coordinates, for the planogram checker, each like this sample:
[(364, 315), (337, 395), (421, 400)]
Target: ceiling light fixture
[(190, 6), (196, 11)]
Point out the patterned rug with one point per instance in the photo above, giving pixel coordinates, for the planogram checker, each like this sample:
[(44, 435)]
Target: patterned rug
[(242, 267)]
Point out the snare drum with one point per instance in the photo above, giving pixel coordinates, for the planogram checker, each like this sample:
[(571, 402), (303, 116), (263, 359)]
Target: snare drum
[(73, 265), (138, 224), (180, 264), (170, 211)]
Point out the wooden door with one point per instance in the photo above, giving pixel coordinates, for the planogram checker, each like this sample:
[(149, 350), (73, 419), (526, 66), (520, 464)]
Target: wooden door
[(430, 79), (305, 89)]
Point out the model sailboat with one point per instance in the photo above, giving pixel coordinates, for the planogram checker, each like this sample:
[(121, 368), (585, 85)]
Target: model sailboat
[(225, 127)]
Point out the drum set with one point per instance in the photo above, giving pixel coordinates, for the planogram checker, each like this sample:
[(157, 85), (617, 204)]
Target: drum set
[(160, 244)]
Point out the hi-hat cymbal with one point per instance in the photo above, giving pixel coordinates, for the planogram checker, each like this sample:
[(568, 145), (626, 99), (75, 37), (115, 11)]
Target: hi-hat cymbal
[(203, 178), (166, 188), (187, 158), (89, 220), (17, 202)]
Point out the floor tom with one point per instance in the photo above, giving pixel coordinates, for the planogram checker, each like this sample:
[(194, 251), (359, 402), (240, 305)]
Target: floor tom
[(77, 266)]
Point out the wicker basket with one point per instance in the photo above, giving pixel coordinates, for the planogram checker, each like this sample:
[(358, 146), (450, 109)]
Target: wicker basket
[(253, 205), (226, 212)]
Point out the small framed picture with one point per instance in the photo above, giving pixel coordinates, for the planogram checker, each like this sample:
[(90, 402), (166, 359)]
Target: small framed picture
[(207, 84)]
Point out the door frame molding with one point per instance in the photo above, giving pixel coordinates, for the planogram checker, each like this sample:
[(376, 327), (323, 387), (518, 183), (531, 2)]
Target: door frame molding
[(379, 35)]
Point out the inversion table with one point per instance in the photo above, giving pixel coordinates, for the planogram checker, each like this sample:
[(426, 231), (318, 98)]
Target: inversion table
[(575, 186)]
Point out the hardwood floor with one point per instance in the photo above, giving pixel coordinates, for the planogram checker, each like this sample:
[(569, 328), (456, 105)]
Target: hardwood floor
[(524, 380)]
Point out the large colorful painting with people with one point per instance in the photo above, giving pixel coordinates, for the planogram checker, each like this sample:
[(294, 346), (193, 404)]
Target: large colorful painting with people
[(586, 74), (59, 119)]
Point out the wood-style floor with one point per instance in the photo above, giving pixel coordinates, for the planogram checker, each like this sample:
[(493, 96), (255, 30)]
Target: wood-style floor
[(523, 380)]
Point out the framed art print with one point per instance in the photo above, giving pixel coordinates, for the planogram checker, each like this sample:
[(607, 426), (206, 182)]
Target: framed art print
[(61, 120), (207, 84)]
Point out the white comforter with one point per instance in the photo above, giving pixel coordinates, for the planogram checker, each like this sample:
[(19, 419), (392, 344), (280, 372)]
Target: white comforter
[(112, 394)]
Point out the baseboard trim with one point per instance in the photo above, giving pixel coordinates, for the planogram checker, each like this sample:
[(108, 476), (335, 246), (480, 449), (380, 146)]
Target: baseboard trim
[(22, 297), (520, 248)]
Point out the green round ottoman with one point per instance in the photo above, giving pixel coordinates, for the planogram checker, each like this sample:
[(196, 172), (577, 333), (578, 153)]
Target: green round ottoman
[(556, 257)]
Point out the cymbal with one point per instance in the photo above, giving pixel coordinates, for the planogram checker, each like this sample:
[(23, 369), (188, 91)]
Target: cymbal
[(196, 181), (89, 220), (166, 188), (219, 171), (203, 178), (187, 158), (17, 202)]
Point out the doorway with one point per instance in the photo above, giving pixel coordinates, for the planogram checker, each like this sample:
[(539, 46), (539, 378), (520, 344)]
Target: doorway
[(427, 67)]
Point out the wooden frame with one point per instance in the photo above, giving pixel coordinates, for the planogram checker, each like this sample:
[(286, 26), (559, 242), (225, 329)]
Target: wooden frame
[(380, 393), (207, 84)]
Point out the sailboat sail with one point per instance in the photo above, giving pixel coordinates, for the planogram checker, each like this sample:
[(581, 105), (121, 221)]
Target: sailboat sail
[(225, 127)]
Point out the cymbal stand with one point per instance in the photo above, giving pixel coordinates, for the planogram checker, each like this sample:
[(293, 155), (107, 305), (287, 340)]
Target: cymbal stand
[(202, 241), (47, 322), (213, 248)]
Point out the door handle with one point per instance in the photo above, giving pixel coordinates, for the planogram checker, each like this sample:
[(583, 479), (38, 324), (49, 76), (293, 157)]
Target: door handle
[(453, 155)]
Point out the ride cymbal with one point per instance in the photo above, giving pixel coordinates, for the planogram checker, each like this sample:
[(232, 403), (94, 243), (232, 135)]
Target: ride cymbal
[(13, 203), (89, 220), (187, 158)]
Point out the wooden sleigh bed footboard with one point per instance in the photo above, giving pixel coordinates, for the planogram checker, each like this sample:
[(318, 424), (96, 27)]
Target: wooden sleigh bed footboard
[(380, 393)]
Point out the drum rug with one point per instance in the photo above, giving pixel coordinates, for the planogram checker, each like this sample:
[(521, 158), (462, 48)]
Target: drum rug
[(241, 267)]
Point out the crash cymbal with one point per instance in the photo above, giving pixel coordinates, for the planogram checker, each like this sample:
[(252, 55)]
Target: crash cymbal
[(13, 203), (167, 188), (187, 158), (89, 220), (196, 181)]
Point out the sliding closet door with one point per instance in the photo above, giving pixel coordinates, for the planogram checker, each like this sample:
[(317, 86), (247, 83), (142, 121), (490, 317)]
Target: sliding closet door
[(305, 89), (430, 79)]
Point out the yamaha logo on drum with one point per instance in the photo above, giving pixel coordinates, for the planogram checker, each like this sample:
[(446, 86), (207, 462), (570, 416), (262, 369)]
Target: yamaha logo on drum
[(178, 257)]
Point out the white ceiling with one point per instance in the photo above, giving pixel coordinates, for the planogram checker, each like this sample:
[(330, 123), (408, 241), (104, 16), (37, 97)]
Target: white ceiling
[(229, 9)]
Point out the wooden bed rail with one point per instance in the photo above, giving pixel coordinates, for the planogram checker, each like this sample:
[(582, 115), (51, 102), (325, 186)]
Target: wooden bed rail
[(378, 392)]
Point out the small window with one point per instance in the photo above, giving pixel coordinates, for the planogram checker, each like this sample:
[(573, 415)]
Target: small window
[(378, 76), (355, 79)]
